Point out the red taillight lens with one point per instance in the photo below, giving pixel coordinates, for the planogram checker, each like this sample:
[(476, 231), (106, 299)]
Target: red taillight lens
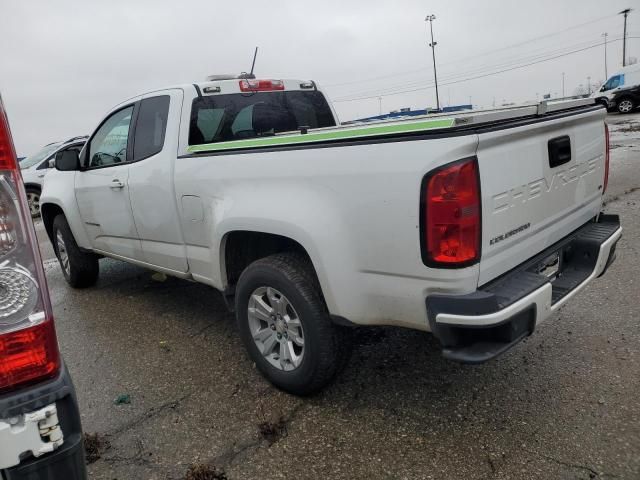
[(28, 354), (28, 346), (261, 85), (451, 215), (7, 151), (607, 155)]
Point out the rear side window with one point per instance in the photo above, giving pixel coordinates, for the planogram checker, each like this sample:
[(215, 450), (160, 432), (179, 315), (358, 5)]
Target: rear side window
[(221, 118), (151, 127)]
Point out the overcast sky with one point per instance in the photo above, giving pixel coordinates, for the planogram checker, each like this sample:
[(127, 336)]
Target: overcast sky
[(64, 63)]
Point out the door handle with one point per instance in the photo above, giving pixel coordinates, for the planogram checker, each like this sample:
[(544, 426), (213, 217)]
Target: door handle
[(559, 151), (115, 183)]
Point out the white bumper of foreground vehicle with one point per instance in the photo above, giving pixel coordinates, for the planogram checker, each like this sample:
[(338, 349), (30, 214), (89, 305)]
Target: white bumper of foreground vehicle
[(36, 433), (476, 327)]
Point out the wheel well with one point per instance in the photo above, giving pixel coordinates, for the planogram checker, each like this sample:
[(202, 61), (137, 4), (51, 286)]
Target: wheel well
[(49, 212), (241, 248), (32, 186)]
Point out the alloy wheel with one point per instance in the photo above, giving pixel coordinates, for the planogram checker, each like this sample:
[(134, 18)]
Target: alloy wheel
[(33, 199), (276, 328), (63, 255), (625, 106)]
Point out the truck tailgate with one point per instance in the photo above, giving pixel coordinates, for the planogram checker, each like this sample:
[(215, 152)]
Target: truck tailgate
[(533, 192)]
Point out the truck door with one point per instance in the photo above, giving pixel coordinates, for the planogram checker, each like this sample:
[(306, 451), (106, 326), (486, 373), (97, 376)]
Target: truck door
[(153, 199), (102, 187)]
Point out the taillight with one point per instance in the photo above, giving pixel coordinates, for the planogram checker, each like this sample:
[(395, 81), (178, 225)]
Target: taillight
[(28, 346), (450, 213), (261, 85), (607, 155)]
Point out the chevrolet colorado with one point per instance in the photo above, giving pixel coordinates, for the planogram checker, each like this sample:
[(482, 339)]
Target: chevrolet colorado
[(475, 226)]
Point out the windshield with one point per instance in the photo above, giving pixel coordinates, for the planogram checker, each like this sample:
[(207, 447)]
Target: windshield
[(38, 157), (236, 116)]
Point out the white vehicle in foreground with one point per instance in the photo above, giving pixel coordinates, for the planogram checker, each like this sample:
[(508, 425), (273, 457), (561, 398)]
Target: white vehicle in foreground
[(475, 227)]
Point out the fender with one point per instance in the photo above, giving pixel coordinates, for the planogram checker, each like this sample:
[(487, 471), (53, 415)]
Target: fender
[(59, 190)]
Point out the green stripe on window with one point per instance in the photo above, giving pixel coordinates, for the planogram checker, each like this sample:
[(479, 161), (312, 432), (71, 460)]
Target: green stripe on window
[(323, 136)]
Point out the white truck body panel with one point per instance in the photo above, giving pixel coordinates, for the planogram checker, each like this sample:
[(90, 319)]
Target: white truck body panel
[(519, 190)]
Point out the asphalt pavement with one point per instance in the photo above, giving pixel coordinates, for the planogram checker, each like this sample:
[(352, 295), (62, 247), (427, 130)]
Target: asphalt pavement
[(164, 382)]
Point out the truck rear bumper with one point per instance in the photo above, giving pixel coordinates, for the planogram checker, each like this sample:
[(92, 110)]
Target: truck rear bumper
[(479, 326), (68, 460)]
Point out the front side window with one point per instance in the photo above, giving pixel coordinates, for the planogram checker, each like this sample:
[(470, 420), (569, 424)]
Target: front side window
[(613, 82), (109, 144), (150, 127), (220, 118)]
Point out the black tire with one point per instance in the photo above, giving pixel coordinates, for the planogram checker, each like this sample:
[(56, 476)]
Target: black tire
[(326, 346), (627, 104), (83, 269), (33, 199)]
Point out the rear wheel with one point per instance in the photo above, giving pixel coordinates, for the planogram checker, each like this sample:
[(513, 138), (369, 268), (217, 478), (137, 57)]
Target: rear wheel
[(626, 105), (33, 199), (79, 268), (285, 325)]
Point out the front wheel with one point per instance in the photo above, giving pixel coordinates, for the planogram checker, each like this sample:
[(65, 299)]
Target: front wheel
[(626, 105), (33, 200), (80, 269), (285, 325)]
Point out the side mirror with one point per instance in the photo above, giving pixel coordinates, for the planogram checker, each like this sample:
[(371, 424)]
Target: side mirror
[(602, 89), (67, 160), (52, 163)]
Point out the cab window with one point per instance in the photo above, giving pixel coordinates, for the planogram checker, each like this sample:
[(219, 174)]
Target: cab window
[(109, 144), (151, 127), (220, 118)]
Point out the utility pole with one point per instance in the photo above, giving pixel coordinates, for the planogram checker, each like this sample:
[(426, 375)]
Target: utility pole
[(624, 12), (430, 19), (562, 84), (588, 85), (606, 75)]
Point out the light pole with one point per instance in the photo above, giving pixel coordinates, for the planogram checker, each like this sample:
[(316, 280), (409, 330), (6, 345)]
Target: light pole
[(430, 19), (606, 75), (624, 12), (380, 105), (588, 85)]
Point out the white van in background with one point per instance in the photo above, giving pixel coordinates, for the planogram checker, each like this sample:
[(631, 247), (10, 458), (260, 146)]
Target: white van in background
[(626, 77)]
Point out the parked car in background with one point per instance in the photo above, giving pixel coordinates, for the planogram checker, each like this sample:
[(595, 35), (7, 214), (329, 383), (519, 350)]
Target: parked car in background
[(40, 430), (36, 166), (624, 79)]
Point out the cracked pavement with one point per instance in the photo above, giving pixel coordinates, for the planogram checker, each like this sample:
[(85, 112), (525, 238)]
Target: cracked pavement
[(562, 405)]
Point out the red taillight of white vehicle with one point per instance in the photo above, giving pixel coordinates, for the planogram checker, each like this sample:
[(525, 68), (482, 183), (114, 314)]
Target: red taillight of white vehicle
[(261, 85), (450, 213), (607, 155), (28, 345)]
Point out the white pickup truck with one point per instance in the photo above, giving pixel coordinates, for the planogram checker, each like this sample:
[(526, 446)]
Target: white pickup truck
[(475, 226)]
